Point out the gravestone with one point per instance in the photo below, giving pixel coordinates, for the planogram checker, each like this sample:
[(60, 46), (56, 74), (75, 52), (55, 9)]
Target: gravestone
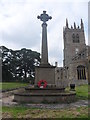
[(45, 71)]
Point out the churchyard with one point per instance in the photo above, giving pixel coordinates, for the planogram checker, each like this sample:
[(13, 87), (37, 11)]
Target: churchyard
[(73, 110), (45, 99)]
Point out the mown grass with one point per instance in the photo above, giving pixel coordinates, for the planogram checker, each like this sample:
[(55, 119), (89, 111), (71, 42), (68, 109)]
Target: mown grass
[(24, 112), (0, 85), (82, 92), (11, 85), (89, 92)]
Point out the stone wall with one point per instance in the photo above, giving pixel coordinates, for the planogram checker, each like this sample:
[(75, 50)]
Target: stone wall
[(61, 77)]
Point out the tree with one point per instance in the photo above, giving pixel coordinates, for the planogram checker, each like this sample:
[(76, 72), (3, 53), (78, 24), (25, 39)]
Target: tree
[(19, 64)]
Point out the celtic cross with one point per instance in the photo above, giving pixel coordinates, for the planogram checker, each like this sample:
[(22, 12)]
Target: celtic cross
[(44, 17)]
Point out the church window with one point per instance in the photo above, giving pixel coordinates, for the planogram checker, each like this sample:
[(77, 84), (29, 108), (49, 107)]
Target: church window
[(73, 37), (81, 72), (77, 38)]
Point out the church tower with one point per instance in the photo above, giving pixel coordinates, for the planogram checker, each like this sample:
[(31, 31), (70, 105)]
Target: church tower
[(74, 41)]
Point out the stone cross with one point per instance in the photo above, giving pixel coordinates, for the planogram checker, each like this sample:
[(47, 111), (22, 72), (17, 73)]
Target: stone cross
[(44, 53), (44, 17)]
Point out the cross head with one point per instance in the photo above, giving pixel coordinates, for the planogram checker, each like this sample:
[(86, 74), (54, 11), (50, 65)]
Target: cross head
[(44, 17)]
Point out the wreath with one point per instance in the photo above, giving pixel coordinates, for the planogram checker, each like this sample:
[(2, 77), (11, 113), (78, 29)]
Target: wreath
[(42, 84)]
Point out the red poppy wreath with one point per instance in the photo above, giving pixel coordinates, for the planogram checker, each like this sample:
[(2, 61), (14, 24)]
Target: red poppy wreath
[(42, 84)]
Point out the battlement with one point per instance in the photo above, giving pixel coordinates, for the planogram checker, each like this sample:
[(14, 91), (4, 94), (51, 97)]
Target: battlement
[(74, 27)]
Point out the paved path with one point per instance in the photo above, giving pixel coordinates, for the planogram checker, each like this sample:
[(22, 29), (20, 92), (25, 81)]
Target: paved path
[(8, 101)]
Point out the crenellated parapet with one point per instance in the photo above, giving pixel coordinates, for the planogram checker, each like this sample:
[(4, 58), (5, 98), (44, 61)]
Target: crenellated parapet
[(74, 26)]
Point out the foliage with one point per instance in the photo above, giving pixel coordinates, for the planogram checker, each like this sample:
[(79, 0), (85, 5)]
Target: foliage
[(19, 64)]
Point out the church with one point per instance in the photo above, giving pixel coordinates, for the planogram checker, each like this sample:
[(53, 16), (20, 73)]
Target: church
[(76, 63)]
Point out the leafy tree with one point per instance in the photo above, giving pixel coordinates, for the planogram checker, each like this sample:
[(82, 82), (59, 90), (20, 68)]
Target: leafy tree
[(19, 64)]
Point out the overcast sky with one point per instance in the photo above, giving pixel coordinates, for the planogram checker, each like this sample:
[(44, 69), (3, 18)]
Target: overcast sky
[(20, 28)]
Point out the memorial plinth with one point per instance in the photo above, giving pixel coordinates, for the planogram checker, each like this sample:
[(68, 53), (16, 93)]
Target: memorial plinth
[(45, 72)]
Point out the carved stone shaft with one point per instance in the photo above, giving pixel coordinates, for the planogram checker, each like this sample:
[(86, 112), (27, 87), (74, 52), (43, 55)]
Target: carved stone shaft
[(44, 54)]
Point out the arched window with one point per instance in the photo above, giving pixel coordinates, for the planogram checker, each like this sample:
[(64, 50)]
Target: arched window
[(73, 37), (81, 72), (77, 38)]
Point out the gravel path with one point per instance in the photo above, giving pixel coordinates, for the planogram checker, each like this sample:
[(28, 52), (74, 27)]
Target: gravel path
[(8, 101)]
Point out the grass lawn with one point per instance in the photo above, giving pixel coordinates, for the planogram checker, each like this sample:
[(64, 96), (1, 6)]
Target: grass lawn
[(24, 112), (82, 92), (0, 85), (11, 85), (89, 92)]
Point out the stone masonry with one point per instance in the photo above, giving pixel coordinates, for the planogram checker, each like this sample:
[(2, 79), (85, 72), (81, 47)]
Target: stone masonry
[(76, 66), (45, 71)]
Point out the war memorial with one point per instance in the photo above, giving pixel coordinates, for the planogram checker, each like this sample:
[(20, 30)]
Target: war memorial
[(45, 89)]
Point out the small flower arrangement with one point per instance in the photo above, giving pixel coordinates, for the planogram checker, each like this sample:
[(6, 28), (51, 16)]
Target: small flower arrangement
[(42, 84)]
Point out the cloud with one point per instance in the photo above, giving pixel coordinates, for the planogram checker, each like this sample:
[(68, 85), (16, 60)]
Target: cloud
[(20, 27)]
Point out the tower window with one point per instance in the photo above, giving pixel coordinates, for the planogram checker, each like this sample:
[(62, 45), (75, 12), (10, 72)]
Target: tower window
[(75, 38)]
